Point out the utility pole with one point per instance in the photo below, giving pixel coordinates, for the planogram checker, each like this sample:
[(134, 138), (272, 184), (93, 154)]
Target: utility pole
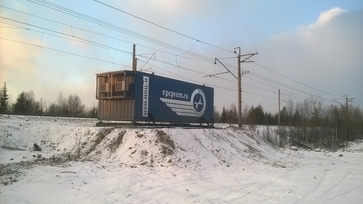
[(238, 77), (359, 120), (334, 120), (239, 88), (347, 115), (134, 60), (346, 101), (278, 115), (342, 121), (246, 59)]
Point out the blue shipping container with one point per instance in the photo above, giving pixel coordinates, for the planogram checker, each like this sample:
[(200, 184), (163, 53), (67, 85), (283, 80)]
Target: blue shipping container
[(137, 96)]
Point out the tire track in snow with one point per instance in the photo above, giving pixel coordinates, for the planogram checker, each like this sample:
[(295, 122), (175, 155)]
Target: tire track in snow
[(349, 191), (341, 183), (317, 189), (344, 182), (321, 186)]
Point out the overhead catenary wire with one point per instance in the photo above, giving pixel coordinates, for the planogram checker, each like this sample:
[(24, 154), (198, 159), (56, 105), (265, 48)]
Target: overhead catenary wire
[(185, 78), (282, 84), (114, 27), (294, 80), (107, 36), (196, 40), (64, 52), (77, 55), (166, 63), (216, 86), (113, 48), (65, 34), (268, 83), (163, 27), (196, 58), (117, 28)]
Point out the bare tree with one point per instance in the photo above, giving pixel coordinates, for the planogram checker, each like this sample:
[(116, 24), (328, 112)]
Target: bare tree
[(290, 110), (245, 114), (232, 115), (216, 114), (74, 105), (62, 104)]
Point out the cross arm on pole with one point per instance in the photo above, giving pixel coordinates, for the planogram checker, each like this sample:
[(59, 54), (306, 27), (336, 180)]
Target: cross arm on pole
[(249, 55), (214, 75), (215, 62)]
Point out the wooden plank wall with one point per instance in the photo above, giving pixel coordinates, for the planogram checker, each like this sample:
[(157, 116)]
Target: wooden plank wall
[(122, 110)]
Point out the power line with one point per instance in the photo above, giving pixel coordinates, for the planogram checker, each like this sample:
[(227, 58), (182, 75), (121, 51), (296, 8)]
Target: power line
[(216, 86), (294, 80), (77, 55), (107, 36), (282, 84), (68, 35), (64, 52), (114, 27), (260, 95), (183, 77), (209, 60), (202, 73), (105, 46), (163, 27), (246, 84), (189, 53)]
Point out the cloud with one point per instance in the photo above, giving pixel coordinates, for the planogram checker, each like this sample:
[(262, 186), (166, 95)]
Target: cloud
[(325, 55), (327, 16)]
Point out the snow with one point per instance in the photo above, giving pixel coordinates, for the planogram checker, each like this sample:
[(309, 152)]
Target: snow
[(81, 163)]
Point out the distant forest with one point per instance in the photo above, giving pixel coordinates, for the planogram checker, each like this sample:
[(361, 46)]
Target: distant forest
[(306, 122), (64, 106)]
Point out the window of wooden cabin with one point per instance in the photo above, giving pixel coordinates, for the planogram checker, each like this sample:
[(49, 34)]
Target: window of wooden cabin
[(103, 86), (122, 85)]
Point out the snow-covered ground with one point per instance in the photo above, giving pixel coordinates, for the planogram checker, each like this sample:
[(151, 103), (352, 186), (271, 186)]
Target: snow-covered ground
[(81, 163)]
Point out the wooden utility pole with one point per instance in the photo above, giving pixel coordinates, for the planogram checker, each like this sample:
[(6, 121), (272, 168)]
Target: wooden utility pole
[(346, 102), (359, 120), (278, 115), (240, 74), (238, 77), (239, 89), (347, 116), (134, 60)]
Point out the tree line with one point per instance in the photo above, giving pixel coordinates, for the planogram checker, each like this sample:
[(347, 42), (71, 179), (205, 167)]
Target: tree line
[(307, 122), (27, 104)]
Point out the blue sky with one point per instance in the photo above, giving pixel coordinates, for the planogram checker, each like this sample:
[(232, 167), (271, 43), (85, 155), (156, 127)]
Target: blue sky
[(315, 43)]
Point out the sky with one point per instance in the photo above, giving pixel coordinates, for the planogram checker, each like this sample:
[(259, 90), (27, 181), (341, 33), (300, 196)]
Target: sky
[(305, 48)]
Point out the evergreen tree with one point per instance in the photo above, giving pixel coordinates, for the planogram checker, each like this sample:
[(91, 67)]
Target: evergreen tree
[(216, 114), (19, 106), (93, 112), (25, 103), (260, 116), (224, 115), (232, 115), (4, 100)]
